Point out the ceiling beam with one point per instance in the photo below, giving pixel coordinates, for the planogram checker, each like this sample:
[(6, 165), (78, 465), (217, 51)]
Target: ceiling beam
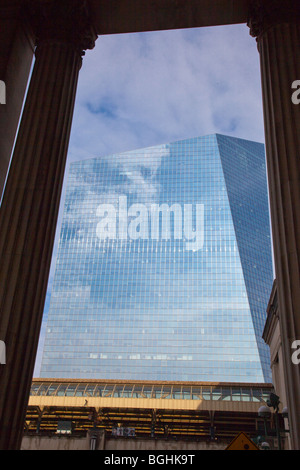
[(128, 16)]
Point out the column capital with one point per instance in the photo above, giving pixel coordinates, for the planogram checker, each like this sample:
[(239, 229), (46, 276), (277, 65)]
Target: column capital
[(264, 14), (66, 22)]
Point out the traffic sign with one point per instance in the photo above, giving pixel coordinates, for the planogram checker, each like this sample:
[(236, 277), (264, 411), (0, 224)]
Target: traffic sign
[(242, 442)]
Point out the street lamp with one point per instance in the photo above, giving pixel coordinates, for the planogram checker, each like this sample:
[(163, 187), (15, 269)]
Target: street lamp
[(265, 413), (265, 446)]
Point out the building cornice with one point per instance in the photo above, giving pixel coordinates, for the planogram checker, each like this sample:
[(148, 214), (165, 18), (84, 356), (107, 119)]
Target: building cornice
[(56, 22), (264, 14)]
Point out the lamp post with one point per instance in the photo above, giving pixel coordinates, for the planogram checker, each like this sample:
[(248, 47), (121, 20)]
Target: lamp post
[(265, 413), (274, 403)]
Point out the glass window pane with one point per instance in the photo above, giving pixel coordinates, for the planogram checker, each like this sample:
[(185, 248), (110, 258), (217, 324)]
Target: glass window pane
[(176, 394), (216, 393), (118, 390), (257, 395), (99, 391), (196, 393), (166, 393), (35, 388), (127, 392), (147, 391), (226, 393), (157, 392), (90, 390), (206, 393), (80, 391), (43, 389), (70, 392), (108, 391), (137, 391), (52, 389), (236, 394), (186, 393), (62, 390), (246, 394)]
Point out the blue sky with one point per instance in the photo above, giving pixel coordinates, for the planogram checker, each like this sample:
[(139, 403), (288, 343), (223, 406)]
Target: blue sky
[(146, 89)]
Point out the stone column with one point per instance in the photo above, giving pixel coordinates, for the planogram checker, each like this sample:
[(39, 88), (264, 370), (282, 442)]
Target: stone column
[(16, 53), (29, 209), (276, 25)]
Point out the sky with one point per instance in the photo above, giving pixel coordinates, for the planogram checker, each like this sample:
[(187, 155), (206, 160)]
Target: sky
[(139, 90)]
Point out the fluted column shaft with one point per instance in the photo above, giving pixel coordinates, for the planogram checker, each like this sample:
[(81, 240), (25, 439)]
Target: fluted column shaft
[(29, 210), (276, 24), (16, 54)]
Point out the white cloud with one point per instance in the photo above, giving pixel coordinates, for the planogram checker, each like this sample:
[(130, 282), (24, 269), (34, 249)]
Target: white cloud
[(139, 90)]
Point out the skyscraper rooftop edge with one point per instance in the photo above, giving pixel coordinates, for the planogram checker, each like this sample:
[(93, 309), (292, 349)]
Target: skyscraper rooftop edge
[(124, 152)]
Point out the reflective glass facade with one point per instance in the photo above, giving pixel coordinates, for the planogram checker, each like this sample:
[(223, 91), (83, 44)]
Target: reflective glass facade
[(164, 267)]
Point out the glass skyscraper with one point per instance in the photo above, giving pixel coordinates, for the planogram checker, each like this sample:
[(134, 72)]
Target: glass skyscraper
[(164, 266)]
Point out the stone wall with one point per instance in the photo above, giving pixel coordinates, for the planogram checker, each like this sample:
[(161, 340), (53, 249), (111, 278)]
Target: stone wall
[(116, 444)]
